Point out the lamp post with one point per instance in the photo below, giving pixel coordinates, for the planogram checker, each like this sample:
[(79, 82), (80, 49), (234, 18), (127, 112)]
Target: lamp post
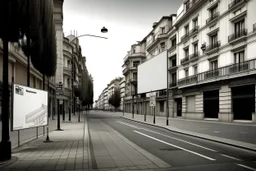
[(103, 30)]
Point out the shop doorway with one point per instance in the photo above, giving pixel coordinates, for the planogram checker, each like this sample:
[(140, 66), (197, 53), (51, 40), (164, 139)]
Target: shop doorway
[(211, 104), (243, 102)]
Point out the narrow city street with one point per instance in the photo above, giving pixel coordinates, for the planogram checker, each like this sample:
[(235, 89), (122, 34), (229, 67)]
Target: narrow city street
[(177, 151)]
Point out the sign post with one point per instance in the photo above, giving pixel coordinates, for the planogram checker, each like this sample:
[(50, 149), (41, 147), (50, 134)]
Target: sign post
[(59, 93), (153, 104)]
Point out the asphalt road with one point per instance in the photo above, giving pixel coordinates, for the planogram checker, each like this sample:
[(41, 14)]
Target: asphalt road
[(182, 152)]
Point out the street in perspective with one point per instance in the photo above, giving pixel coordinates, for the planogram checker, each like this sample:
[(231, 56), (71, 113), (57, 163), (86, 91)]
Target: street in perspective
[(115, 85)]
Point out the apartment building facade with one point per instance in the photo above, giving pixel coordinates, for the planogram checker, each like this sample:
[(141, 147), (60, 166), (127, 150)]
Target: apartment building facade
[(153, 44), (216, 63), (122, 92), (134, 57), (211, 64)]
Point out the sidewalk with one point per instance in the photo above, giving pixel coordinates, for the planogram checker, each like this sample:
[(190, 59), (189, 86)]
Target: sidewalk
[(68, 151), (235, 134)]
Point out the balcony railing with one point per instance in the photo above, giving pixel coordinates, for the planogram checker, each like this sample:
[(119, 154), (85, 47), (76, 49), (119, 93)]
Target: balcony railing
[(184, 60), (213, 46), (194, 30), (254, 27), (190, 4), (194, 56), (213, 17), (237, 35), (162, 93), (133, 80), (184, 36), (173, 84), (220, 72), (234, 2), (172, 48)]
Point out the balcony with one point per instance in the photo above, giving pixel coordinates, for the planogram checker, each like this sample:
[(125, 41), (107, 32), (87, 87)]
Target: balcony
[(212, 48), (184, 37), (125, 71), (67, 71), (214, 17), (172, 48), (173, 84), (237, 36), (227, 72), (133, 80), (173, 68), (193, 57), (235, 3), (137, 54), (194, 30), (162, 36), (184, 60)]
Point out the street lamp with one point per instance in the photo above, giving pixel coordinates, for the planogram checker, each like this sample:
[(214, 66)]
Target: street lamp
[(103, 30)]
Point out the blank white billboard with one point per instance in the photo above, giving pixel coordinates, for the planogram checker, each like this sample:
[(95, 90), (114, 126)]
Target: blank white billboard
[(152, 74), (30, 107)]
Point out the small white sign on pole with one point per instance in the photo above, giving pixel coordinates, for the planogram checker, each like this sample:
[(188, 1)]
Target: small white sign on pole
[(152, 99)]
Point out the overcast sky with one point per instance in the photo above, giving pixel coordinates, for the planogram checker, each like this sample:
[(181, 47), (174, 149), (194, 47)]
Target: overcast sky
[(127, 21)]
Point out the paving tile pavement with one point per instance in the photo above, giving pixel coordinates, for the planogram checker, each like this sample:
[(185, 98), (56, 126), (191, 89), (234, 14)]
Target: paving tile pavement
[(68, 151)]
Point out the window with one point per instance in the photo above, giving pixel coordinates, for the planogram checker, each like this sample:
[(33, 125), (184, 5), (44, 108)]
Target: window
[(195, 48), (239, 26), (195, 69), (68, 63), (186, 4), (214, 65), (186, 29), (195, 22), (68, 81), (161, 106), (213, 11), (134, 75), (162, 30), (173, 42), (162, 46), (214, 39), (136, 63), (239, 57), (174, 78), (186, 52), (134, 50), (186, 72), (174, 62)]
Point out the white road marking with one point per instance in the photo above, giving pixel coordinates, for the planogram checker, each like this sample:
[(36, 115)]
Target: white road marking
[(168, 136), (133, 126), (231, 157), (209, 158), (216, 132), (181, 140), (247, 167)]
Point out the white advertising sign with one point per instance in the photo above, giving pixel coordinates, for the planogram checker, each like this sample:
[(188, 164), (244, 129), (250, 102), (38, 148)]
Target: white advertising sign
[(30, 107), (152, 74)]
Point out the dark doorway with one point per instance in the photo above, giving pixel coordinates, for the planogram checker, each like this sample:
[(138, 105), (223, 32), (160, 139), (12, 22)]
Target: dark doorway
[(243, 102), (211, 104), (179, 106)]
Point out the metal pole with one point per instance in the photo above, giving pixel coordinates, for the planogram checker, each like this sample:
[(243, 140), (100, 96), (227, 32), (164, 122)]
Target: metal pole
[(132, 106), (63, 110), (79, 113), (69, 115), (145, 110), (167, 91), (18, 138), (123, 105), (5, 145), (36, 132), (154, 111), (58, 120)]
